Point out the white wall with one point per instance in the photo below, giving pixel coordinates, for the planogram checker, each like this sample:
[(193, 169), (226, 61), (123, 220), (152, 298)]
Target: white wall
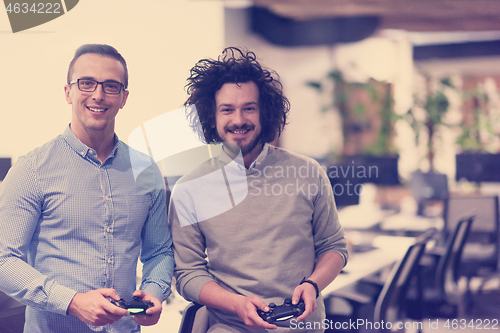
[(160, 40)]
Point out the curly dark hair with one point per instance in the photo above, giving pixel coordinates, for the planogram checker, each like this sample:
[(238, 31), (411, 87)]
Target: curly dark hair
[(235, 66)]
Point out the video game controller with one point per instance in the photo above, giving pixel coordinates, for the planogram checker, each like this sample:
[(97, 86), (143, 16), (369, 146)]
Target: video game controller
[(282, 312), (136, 306)]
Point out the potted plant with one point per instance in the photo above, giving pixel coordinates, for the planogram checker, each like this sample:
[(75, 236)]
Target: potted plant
[(479, 159), (366, 111), (426, 117), (367, 116)]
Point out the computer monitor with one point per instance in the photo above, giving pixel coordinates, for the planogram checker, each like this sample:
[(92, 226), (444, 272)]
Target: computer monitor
[(348, 176), (478, 167), (346, 185), (379, 170), (346, 191)]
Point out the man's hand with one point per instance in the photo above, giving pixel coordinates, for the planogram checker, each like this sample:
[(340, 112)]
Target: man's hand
[(153, 313), (94, 309), (307, 293), (246, 308), (215, 296)]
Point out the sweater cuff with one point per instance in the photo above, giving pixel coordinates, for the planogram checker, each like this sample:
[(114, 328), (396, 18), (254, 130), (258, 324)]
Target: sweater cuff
[(191, 290)]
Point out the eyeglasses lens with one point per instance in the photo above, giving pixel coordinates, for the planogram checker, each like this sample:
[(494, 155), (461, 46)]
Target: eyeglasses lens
[(109, 87)]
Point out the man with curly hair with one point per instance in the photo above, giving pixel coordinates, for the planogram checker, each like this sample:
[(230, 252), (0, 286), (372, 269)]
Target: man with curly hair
[(280, 236)]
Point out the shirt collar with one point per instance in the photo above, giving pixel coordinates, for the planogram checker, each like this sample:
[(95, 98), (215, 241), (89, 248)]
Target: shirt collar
[(80, 147), (263, 154), (227, 160)]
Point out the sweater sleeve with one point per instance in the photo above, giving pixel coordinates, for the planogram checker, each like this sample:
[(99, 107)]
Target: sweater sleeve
[(327, 231), (191, 271)]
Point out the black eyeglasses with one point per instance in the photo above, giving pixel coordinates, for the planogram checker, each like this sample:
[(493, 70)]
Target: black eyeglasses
[(89, 85)]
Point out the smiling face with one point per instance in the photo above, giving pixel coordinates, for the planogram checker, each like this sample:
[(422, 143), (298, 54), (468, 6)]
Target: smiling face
[(94, 112), (237, 117)]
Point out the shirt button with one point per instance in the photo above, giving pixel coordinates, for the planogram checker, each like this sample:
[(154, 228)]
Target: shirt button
[(108, 229), (109, 261)]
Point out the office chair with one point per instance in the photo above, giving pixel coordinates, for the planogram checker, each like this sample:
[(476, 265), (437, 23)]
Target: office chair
[(443, 299), (481, 252), (427, 188), (389, 304), (194, 319), (372, 285)]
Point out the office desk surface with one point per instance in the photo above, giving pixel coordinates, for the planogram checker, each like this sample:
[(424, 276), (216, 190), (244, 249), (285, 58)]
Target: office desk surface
[(362, 217), (388, 250), (411, 223)]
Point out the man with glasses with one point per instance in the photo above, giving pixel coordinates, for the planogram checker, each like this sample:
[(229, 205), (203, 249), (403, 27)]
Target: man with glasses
[(74, 218)]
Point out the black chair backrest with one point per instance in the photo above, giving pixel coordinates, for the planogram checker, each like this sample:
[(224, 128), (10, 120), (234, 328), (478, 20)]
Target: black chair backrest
[(486, 213), (447, 269), (188, 317), (389, 302)]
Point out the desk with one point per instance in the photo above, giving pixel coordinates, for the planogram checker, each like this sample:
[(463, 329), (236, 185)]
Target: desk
[(404, 224), (389, 249), (362, 217)]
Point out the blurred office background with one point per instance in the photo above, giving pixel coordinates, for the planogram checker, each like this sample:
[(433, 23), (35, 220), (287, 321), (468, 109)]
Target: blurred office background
[(411, 88)]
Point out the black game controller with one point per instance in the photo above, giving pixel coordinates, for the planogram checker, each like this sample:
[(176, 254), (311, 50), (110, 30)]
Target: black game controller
[(283, 312), (136, 306)]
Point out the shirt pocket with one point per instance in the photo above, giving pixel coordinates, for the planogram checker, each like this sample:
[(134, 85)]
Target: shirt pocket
[(134, 214)]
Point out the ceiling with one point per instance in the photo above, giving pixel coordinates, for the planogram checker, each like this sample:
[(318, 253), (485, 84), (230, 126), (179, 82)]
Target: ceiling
[(410, 15)]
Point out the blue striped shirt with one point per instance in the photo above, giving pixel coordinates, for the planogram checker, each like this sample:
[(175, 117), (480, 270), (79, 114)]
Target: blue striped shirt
[(71, 224)]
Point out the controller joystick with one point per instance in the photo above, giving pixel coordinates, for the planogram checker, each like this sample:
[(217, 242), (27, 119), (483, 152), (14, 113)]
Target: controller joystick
[(136, 306), (282, 312)]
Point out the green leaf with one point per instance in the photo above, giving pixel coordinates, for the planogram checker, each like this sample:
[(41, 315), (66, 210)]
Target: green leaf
[(316, 85), (447, 82), (335, 75)]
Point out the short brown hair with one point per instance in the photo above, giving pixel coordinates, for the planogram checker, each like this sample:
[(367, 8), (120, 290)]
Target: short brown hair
[(101, 49)]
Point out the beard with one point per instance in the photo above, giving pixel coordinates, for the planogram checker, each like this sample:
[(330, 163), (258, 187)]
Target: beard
[(237, 146)]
